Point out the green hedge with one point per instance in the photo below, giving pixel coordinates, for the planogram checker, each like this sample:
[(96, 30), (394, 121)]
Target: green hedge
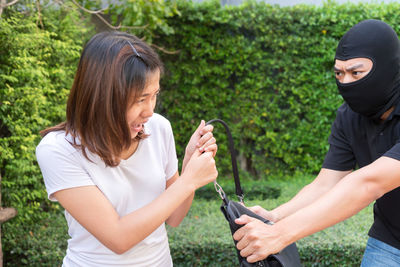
[(204, 239), (36, 71), (251, 190), (267, 71)]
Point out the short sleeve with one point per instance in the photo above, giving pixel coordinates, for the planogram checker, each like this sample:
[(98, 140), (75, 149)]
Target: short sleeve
[(394, 152), (340, 155), (61, 168), (171, 166)]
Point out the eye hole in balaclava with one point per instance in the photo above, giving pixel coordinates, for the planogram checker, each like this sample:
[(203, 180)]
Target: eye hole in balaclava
[(378, 91)]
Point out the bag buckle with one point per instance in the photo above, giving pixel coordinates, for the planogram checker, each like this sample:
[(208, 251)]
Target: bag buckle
[(219, 189), (241, 197)]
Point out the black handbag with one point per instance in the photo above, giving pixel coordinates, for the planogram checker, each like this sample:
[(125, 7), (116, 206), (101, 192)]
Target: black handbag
[(289, 256)]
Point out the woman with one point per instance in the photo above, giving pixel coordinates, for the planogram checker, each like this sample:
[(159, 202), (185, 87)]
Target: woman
[(112, 164)]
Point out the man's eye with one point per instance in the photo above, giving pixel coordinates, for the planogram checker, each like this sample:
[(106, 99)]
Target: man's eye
[(338, 73), (355, 73)]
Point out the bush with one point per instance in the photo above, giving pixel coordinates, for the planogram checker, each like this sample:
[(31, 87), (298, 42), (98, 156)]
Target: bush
[(37, 68), (266, 70), (251, 189), (38, 245)]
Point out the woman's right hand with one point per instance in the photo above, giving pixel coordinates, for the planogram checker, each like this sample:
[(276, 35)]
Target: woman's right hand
[(201, 169)]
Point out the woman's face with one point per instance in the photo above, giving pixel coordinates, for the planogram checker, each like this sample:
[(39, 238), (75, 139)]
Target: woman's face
[(141, 111)]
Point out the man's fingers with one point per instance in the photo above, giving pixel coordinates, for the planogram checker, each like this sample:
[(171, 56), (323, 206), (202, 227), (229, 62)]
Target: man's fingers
[(244, 242), (244, 219), (246, 251), (254, 258)]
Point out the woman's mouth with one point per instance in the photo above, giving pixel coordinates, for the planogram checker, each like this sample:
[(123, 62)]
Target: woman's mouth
[(137, 127)]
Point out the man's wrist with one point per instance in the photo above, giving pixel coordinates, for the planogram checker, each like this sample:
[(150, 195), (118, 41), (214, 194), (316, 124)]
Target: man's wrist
[(275, 216), (286, 235)]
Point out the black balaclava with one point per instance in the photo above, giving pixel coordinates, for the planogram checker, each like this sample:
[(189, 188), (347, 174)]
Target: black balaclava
[(379, 90)]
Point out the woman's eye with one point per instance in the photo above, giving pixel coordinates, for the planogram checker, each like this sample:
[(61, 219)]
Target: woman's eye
[(156, 94)]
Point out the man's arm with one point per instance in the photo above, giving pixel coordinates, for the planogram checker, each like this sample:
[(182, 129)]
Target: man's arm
[(325, 180), (346, 198)]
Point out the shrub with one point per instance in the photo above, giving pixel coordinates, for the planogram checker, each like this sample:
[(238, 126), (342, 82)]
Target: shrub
[(37, 66), (251, 189), (42, 244), (266, 70)]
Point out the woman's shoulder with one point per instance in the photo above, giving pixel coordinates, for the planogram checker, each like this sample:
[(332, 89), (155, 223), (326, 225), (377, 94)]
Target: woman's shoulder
[(160, 119), (56, 141), (158, 122)]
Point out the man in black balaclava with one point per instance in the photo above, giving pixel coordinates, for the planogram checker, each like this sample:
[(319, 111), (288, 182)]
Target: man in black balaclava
[(363, 161)]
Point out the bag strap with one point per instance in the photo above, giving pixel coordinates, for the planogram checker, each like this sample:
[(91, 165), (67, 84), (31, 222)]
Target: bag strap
[(239, 191)]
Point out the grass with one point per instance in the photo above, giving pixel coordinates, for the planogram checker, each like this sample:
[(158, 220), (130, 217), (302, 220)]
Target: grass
[(203, 238), (340, 245)]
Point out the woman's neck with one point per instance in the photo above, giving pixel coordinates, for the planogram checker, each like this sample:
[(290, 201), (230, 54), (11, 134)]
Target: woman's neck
[(131, 150)]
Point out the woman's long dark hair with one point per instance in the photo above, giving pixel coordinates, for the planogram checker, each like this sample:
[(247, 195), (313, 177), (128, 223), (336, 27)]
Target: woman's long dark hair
[(112, 72)]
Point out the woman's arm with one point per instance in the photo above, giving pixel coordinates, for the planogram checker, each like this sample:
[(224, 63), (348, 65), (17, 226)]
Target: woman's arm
[(177, 216), (201, 140), (95, 213)]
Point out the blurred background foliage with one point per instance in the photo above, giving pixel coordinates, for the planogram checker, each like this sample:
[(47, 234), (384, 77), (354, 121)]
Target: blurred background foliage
[(266, 70)]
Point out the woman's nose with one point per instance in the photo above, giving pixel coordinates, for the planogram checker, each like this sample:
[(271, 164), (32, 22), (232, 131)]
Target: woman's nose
[(148, 109)]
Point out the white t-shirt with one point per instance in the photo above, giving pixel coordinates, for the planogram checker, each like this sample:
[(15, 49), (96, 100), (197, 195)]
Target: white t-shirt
[(134, 183)]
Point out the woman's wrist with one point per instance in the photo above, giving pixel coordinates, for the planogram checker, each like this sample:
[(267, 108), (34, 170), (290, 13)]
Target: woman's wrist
[(186, 159), (187, 183)]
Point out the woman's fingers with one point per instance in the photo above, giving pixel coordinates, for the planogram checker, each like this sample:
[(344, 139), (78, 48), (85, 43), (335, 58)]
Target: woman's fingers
[(207, 142)]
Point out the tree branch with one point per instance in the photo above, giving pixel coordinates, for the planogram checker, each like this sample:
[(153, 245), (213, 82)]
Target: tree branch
[(98, 13), (165, 51), (4, 4), (7, 214), (39, 14), (87, 10), (10, 4)]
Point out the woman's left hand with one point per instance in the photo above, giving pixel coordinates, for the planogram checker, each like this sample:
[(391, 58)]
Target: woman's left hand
[(202, 139)]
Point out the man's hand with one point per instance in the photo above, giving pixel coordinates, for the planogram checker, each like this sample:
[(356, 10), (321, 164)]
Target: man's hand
[(266, 214), (256, 240)]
